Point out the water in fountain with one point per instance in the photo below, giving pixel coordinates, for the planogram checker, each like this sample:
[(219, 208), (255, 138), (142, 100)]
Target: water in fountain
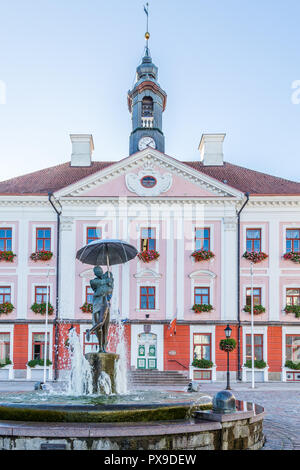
[(80, 380), (121, 366), (104, 384)]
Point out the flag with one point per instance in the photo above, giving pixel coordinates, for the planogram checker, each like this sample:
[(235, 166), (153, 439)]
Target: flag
[(146, 9), (172, 327)]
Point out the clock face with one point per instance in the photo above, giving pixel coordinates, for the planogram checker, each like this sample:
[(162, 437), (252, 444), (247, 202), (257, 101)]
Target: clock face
[(145, 142)]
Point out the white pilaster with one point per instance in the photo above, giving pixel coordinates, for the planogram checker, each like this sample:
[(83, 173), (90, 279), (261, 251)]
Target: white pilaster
[(67, 268), (169, 229), (229, 269), (23, 257), (180, 263), (274, 257)]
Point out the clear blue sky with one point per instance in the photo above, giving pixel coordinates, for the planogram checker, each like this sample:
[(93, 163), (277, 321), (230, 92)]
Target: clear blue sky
[(226, 65)]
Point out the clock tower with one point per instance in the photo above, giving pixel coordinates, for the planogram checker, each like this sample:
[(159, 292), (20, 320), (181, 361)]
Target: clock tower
[(146, 103)]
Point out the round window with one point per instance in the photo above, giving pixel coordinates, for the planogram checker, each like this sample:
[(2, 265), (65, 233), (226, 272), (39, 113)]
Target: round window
[(148, 181)]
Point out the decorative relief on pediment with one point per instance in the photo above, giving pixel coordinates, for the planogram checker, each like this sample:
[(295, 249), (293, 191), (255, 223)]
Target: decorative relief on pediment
[(148, 182)]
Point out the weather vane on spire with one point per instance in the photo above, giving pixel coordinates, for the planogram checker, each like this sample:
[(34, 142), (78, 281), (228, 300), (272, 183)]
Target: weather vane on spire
[(147, 34)]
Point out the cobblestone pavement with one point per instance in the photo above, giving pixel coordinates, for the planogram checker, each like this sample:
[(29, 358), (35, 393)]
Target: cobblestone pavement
[(282, 406)]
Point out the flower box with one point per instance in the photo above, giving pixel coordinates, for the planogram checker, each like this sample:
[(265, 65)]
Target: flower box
[(260, 375), (7, 256), (42, 255), (290, 374), (35, 369), (37, 373), (6, 308), (202, 255), (40, 309), (202, 374), (7, 372), (199, 308), (255, 256), (293, 309), (257, 309), (87, 308), (292, 256), (148, 255)]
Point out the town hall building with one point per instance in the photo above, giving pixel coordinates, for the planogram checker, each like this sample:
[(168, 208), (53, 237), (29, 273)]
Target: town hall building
[(199, 227)]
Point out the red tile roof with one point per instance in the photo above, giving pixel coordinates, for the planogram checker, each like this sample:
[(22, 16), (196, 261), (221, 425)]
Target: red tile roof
[(57, 177), (245, 180), (49, 179)]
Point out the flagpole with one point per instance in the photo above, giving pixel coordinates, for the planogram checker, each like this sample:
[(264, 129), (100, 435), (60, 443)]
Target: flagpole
[(252, 328), (46, 329)]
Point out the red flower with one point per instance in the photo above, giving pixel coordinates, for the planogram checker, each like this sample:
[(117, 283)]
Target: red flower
[(7, 256), (42, 255), (255, 256), (202, 255), (148, 255)]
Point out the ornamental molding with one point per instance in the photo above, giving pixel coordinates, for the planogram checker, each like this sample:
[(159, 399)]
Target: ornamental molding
[(66, 223), (17, 202), (87, 274), (147, 202), (134, 184), (147, 274), (230, 223), (202, 273), (145, 158)]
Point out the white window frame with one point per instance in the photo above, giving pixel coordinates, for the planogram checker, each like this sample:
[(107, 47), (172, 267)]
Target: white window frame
[(40, 329), (147, 283), (196, 281), (288, 330), (9, 329), (211, 231), (285, 227), (41, 284), (41, 226), (257, 285), (253, 226), (93, 223), (203, 329), (12, 225), (12, 289), (257, 330), (284, 288)]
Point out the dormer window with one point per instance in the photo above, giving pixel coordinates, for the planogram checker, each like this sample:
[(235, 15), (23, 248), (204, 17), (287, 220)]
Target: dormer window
[(147, 107)]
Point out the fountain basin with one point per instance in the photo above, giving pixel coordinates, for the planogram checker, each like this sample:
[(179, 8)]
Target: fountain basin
[(127, 426)]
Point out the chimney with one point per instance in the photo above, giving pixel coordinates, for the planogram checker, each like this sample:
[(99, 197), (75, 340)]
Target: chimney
[(211, 149), (82, 148)]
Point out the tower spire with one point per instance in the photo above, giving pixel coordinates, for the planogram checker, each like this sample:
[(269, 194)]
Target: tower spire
[(146, 103), (147, 34)]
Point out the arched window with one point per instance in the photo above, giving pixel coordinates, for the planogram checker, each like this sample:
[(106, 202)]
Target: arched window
[(147, 106)]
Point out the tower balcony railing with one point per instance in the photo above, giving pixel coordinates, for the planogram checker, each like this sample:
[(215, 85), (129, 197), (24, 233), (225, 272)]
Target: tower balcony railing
[(147, 122)]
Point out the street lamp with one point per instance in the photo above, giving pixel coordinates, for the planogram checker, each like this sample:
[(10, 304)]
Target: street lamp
[(228, 331)]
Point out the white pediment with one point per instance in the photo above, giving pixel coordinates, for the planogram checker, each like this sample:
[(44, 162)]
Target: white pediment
[(143, 162)]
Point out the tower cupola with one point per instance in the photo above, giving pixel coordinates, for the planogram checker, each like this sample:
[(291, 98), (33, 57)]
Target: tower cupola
[(146, 103)]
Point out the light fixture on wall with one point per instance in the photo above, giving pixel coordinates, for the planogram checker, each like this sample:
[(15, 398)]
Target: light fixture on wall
[(147, 315)]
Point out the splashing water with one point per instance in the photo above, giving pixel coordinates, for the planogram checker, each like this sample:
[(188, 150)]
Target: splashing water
[(104, 383), (121, 366), (80, 381)]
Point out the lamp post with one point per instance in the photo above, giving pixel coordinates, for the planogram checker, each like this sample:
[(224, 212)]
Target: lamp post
[(228, 331)]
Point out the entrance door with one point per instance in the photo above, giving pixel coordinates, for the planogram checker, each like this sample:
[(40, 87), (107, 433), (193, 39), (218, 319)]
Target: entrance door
[(147, 351)]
